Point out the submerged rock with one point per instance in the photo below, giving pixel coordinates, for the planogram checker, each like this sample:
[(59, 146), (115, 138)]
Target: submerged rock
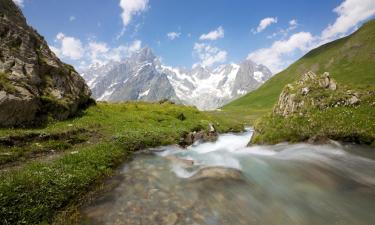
[(34, 83), (218, 173), (185, 162)]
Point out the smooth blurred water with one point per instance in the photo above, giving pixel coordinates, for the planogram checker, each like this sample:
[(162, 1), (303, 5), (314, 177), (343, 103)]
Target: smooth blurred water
[(281, 184)]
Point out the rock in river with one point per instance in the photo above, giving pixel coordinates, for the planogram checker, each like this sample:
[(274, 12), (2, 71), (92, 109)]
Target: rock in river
[(218, 173)]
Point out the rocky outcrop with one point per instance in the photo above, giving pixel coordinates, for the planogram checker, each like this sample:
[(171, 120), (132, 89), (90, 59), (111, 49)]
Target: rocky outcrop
[(206, 136), (316, 109), (34, 83), (313, 92)]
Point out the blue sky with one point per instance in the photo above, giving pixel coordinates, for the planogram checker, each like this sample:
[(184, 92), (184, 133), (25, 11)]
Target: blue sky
[(186, 33)]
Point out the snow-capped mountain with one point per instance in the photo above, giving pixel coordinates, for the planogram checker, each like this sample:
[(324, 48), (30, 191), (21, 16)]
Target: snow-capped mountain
[(135, 78), (143, 77), (210, 89)]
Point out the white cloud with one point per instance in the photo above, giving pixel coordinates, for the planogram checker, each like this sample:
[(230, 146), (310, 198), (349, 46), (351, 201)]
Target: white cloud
[(96, 50), (93, 52), (18, 2), (100, 52), (72, 18), (293, 24), (209, 55), (264, 23), (173, 35), (70, 47), (350, 13), (276, 56), (213, 35), (131, 8), (135, 46)]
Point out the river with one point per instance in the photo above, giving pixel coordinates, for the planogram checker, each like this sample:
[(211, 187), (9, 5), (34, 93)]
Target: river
[(227, 183)]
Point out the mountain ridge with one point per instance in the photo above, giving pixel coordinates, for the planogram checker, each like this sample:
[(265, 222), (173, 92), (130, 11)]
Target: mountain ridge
[(203, 87)]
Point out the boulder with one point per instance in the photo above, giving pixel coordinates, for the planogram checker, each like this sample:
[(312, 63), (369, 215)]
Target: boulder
[(34, 83), (211, 135)]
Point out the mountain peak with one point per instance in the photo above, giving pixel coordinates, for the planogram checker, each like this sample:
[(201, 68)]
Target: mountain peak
[(144, 55)]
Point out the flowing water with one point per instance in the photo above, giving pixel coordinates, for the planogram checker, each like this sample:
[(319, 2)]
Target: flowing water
[(228, 183)]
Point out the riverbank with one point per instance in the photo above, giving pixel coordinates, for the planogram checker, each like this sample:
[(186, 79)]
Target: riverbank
[(43, 170)]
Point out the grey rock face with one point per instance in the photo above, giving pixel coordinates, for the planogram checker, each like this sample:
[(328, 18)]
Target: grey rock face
[(142, 77), (246, 83), (135, 78), (34, 83)]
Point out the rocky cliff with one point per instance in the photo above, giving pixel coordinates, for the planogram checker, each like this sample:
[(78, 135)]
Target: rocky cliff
[(34, 83)]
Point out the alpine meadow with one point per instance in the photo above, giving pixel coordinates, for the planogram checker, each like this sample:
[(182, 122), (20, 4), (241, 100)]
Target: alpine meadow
[(130, 112)]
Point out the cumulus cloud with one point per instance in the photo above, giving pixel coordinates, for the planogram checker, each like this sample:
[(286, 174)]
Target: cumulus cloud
[(264, 23), (213, 35), (96, 50), (275, 57), (99, 52), (92, 52), (19, 2), (350, 13), (209, 55), (173, 35), (131, 8), (70, 47), (72, 18)]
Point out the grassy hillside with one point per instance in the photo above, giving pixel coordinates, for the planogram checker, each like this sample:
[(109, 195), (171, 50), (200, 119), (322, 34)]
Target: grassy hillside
[(310, 111), (350, 61), (45, 169)]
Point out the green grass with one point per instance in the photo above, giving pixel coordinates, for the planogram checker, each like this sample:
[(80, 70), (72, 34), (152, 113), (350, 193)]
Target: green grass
[(351, 124), (35, 191), (350, 61)]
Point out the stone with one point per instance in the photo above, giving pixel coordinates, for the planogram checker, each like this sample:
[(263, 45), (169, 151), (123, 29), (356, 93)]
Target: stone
[(211, 128), (218, 173), (171, 219), (318, 140), (34, 83), (354, 100), (305, 91), (191, 137), (332, 85), (185, 162)]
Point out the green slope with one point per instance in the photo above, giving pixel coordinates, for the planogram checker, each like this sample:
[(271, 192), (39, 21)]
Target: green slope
[(350, 60)]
